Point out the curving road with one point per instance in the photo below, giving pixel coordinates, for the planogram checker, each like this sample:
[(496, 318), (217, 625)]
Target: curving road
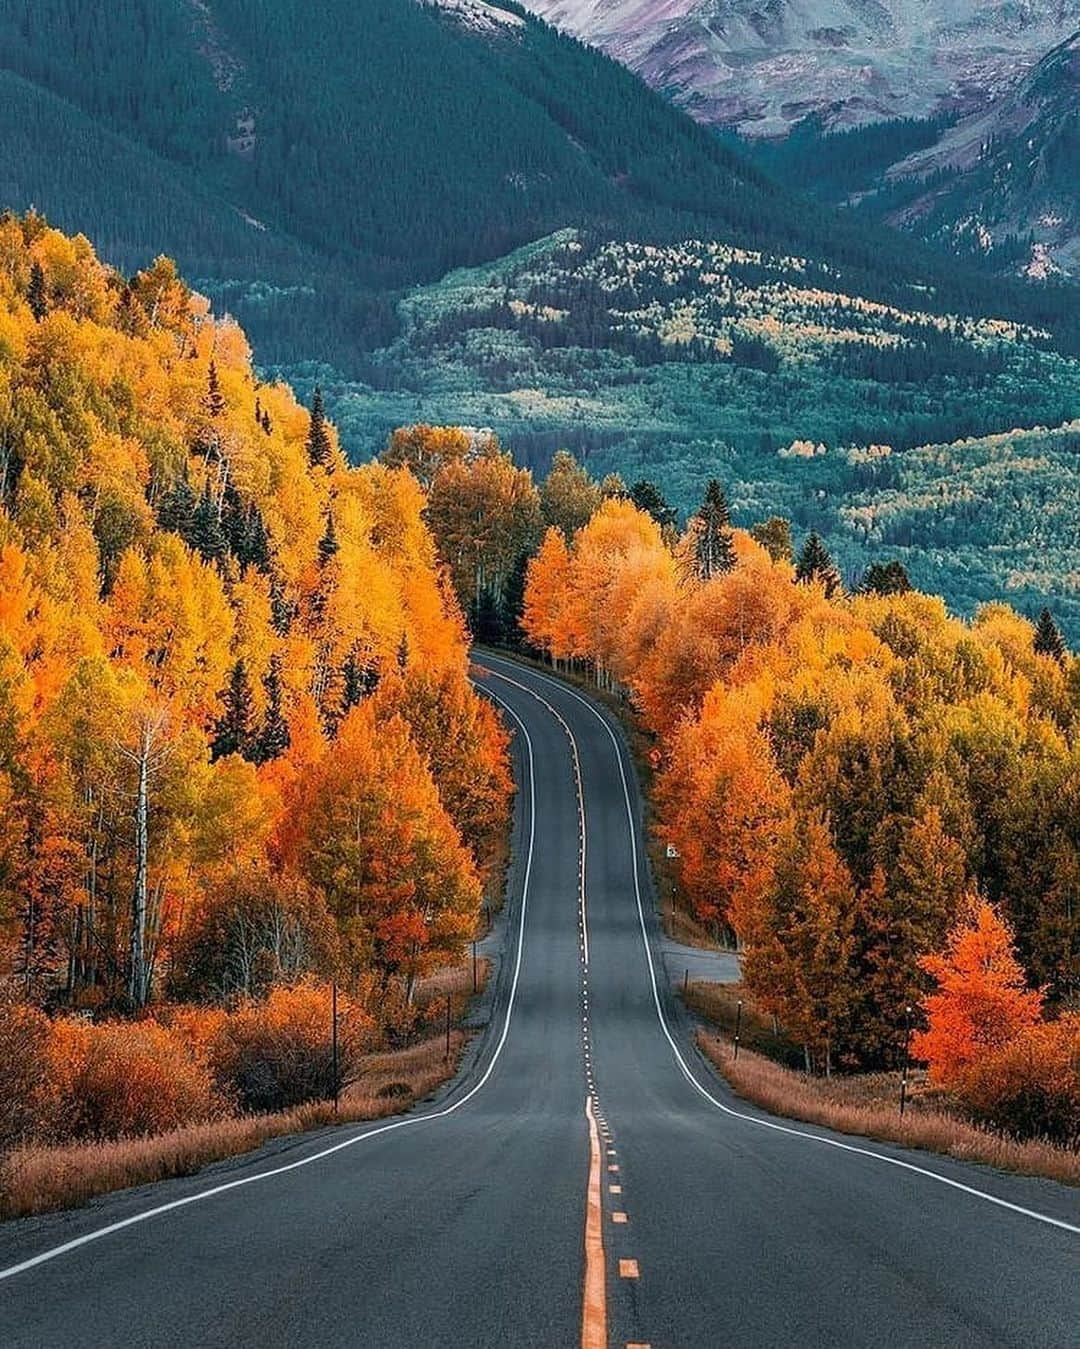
[(500, 1214)]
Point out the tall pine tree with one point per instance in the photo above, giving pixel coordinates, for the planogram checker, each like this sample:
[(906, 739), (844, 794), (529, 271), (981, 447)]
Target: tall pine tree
[(328, 544), (318, 439), (274, 738), (207, 534), (1048, 639), (234, 733), (37, 296), (815, 564), (714, 544)]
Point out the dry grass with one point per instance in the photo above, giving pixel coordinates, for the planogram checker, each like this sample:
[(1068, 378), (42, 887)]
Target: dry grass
[(718, 1004), (37, 1179), (41, 1179), (867, 1105)]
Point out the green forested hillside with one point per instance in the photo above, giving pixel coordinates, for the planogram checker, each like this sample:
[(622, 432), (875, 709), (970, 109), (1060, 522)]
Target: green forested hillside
[(807, 399)]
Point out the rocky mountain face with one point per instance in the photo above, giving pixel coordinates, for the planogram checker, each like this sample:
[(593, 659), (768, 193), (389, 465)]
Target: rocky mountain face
[(762, 65), (1012, 169)]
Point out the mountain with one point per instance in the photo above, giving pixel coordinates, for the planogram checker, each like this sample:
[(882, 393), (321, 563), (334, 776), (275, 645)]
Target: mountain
[(763, 65), (300, 164), (1011, 172)]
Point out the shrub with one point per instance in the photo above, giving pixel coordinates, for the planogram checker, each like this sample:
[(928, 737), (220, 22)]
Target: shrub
[(123, 1079), (1031, 1087), (24, 1036), (276, 1054)]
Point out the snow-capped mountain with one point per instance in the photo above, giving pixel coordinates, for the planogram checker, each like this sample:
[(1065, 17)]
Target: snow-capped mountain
[(761, 65)]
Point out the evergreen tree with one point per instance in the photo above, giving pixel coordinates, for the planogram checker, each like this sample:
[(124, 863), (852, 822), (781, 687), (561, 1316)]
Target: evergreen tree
[(359, 678), (37, 294), (234, 731), (214, 402), (403, 651), (274, 738), (816, 564), (488, 623), (328, 544), (714, 544), (207, 534), (176, 510), (885, 578), (1048, 639), (647, 497), (267, 425), (318, 439)]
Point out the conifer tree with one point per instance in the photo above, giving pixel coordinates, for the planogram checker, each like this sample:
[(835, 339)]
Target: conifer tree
[(815, 564), (328, 544), (1048, 639), (318, 439), (176, 510), (267, 425), (234, 731), (207, 534), (274, 738), (885, 578), (37, 295), (358, 679), (214, 402), (714, 545), (281, 612), (647, 497)]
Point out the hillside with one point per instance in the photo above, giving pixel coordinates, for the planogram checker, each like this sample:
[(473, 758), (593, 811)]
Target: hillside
[(774, 373)]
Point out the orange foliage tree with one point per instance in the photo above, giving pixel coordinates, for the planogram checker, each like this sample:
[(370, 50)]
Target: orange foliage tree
[(981, 1002)]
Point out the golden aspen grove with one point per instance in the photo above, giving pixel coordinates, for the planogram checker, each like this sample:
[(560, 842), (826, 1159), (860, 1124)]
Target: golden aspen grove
[(853, 786), (231, 671)]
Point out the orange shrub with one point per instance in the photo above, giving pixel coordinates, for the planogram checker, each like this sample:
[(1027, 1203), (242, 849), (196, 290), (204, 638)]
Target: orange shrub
[(123, 1079), (276, 1054), (1031, 1088), (24, 1035)]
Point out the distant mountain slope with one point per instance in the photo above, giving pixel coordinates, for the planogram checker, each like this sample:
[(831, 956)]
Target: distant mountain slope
[(1013, 170), (762, 65)]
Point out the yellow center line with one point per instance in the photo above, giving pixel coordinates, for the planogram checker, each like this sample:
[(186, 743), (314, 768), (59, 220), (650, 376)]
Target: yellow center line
[(594, 1300)]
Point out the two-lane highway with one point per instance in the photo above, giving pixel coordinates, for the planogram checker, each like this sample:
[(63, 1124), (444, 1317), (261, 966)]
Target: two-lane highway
[(501, 1215)]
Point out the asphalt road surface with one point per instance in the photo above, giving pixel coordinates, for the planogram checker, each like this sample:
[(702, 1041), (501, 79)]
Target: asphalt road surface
[(499, 1214)]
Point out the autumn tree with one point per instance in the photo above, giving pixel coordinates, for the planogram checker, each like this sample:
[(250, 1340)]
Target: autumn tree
[(774, 535), (982, 1001), (568, 496)]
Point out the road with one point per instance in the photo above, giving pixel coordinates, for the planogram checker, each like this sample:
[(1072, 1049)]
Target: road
[(499, 1214)]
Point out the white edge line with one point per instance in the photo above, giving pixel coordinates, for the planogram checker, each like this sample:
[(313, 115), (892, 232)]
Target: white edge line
[(411, 1121), (738, 1114)]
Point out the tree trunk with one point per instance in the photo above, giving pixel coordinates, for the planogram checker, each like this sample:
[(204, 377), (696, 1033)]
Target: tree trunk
[(137, 966)]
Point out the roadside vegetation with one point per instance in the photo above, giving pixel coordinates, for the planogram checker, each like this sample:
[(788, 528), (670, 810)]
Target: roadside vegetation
[(241, 761), (166, 1097), (876, 800)]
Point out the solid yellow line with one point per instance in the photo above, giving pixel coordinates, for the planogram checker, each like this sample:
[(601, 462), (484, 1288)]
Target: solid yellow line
[(594, 1299)]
